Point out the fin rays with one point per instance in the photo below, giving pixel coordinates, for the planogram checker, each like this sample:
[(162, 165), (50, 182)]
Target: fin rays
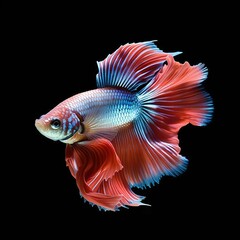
[(97, 170), (130, 66)]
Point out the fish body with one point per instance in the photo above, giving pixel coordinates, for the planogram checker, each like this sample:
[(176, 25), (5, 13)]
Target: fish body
[(124, 133), (104, 109)]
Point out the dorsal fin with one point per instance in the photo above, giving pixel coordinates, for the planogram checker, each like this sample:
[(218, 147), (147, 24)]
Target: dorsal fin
[(131, 65)]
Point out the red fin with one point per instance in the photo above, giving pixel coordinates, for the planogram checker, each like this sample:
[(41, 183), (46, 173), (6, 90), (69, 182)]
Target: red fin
[(175, 95), (96, 167), (149, 147)]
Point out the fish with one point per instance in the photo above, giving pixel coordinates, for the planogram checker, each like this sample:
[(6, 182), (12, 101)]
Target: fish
[(123, 135)]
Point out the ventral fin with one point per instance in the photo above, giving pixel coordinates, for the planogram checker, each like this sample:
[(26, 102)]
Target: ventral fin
[(97, 169)]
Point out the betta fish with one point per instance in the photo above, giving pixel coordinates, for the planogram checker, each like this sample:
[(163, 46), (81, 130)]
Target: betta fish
[(124, 133)]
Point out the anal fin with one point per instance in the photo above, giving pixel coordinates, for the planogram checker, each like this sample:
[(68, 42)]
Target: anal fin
[(146, 158)]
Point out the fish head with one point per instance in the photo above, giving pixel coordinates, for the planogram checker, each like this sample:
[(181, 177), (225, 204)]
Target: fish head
[(60, 124)]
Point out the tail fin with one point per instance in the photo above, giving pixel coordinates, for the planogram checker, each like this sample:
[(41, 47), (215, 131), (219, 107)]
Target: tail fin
[(175, 95), (149, 147)]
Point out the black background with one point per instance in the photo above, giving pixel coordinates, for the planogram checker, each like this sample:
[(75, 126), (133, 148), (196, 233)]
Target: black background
[(51, 54)]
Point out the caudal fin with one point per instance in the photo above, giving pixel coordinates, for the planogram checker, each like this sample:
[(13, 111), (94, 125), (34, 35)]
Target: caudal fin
[(149, 147), (176, 97)]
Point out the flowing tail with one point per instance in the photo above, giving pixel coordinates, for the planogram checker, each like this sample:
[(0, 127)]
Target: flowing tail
[(172, 99), (170, 95)]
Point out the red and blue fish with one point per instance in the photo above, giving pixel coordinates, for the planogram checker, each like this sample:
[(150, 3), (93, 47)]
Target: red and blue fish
[(124, 133)]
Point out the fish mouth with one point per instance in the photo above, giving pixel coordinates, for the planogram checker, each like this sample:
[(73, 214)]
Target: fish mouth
[(40, 125)]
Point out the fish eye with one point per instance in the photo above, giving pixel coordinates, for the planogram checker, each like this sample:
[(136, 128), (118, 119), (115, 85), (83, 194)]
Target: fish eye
[(55, 123)]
